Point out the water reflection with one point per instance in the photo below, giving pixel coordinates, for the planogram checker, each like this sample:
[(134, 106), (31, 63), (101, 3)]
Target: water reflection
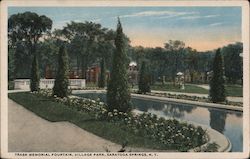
[(176, 110), (145, 105), (169, 109), (217, 120)]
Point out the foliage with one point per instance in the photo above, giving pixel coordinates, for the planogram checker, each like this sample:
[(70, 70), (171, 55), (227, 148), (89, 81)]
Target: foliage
[(35, 75), (102, 78), (233, 62), (217, 88), (118, 95), (61, 82), (11, 64), (48, 52), (27, 26), (144, 79), (88, 41), (25, 29)]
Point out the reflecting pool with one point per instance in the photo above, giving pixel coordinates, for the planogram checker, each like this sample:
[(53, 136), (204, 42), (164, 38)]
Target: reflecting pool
[(227, 122)]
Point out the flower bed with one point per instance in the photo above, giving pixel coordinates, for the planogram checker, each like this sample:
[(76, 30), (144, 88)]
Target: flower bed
[(170, 134), (188, 97), (175, 96)]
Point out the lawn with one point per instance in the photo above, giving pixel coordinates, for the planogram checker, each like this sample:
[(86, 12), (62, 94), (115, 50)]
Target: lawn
[(172, 88), (234, 90), (53, 111), (231, 90)]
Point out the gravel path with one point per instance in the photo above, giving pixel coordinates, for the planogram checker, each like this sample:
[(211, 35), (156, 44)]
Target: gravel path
[(30, 133)]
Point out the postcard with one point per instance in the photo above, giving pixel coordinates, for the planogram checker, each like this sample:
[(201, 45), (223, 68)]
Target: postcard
[(125, 79)]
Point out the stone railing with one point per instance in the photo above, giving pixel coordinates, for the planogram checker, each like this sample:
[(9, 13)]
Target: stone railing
[(24, 84)]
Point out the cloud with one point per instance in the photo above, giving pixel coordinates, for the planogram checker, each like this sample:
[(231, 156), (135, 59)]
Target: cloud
[(211, 16), (169, 14), (163, 14), (191, 17), (215, 24), (199, 16)]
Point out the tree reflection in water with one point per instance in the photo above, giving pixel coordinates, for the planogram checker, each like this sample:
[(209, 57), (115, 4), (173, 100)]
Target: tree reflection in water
[(177, 110), (145, 105), (169, 109), (217, 120)]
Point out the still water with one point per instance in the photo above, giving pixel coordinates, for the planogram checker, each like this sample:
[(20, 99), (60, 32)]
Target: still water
[(226, 122)]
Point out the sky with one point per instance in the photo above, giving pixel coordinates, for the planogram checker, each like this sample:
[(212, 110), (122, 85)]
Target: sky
[(202, 28)]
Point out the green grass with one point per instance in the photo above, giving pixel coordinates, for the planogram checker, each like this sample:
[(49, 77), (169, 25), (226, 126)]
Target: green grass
[(53, 111), (172, 88), (231, 90), (234, 90)]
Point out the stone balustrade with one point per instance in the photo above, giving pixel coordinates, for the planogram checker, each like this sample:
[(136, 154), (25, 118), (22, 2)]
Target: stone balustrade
[(24, 84)]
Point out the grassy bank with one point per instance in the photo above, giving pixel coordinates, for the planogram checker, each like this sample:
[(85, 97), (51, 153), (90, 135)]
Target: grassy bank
[(234, 90), (54, 111), (231, 90), (170, 87)]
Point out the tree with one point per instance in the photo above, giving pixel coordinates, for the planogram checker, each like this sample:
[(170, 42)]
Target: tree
[(48, 53), (118, 95), (217, 88), (29, 28), (176, 51), (61, 83), (192, 62), (84, 39), (233, 62), (144, 80), (102, 78)]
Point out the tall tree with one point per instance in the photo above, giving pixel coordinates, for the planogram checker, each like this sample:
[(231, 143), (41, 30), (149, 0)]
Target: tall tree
[(29, 27), (217, 88), (102, 78), (118, 94), (61, 83), (144, 79)]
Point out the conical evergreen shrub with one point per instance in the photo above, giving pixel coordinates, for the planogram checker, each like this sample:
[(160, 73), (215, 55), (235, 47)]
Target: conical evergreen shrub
[(217, 82), (118, 94), (60, 88), (144, 79)]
